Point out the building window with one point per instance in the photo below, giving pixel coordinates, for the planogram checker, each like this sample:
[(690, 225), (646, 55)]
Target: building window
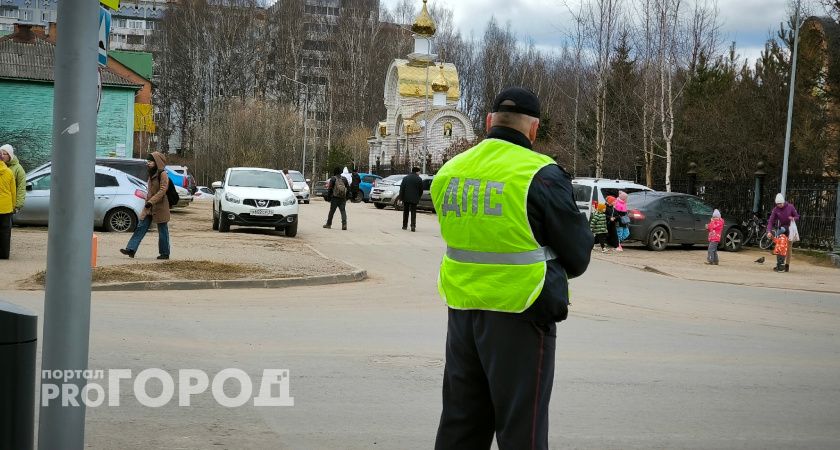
[(136, 24), (134, 39), (150, 25), (119, 23), (27, 15), (10, 13)]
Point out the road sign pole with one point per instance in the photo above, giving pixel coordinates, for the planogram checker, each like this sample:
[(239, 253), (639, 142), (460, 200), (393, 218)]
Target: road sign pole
[(67, 303)]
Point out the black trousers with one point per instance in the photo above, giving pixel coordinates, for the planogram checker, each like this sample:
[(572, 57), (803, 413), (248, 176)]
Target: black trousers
[(412, 208), (337, 203), (497, 380), (5, 235)]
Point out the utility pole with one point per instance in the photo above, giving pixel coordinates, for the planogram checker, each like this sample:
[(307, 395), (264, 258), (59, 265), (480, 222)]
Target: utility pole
[(70, 235), (797, 26)]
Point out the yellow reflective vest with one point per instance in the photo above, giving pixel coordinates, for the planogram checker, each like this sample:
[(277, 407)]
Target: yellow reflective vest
[(492, 261)]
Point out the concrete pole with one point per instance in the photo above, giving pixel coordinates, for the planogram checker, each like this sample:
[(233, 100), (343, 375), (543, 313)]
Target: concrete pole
[(837, 222), (426, 120), (67, 303), (305, 122), (790, 98)]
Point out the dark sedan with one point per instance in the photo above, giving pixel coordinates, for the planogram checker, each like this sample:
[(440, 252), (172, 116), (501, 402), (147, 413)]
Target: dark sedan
[(661, 218)]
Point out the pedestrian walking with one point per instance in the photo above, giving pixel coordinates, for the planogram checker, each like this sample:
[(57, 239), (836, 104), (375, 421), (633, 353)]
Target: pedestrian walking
[(356, 186), (8, 196), (598, 225), (781, 249), (156, 209), (411, 189), (715, 228), (514, 236), (7, 154), (783, 214), (337, 190)]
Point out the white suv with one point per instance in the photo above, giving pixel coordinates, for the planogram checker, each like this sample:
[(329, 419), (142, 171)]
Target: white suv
[(254, 197), (589, 190)]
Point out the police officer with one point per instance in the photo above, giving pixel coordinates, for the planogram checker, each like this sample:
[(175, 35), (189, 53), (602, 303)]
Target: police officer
[(514, 236)]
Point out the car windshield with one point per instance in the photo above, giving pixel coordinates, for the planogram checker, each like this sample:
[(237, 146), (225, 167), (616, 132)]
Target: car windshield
[(393, 179), (257, 179), (583, 193), (296, 177)]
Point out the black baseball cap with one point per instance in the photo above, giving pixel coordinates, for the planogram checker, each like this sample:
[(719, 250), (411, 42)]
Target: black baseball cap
[(517, 100)]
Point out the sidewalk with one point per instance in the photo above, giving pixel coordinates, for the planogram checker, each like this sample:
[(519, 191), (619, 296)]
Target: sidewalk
[(198, 253), (735, 268)]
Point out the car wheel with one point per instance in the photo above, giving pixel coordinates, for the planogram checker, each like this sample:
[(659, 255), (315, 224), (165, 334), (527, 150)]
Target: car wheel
[(120, 220), (306, 202), (215, 220), (379, 205), (291, 230), (658, 239), (224, 222), (733, 240)]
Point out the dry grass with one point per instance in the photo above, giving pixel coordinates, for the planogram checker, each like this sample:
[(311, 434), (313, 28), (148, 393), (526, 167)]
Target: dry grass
[(170, 270)]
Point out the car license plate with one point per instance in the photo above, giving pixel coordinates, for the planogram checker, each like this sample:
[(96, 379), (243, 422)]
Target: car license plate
[(262, 212)]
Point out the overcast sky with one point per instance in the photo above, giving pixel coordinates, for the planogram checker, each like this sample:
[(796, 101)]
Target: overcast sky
[(747, 22)]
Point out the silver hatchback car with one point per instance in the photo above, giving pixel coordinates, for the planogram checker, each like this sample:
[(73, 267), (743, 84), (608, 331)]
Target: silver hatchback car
[(118, 199)]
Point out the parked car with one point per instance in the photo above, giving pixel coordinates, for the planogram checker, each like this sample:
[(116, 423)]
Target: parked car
[(118, 199), (184, 197), (387, 190), (255, 197), (319, 189), (658, 219), (137, 167), (300, 185), (426, 199), (589, 190), (203, 193), (369, 180)]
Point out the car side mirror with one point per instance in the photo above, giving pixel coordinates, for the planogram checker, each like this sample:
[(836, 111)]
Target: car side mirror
[(308, 180), (28, 186), (217, 185)]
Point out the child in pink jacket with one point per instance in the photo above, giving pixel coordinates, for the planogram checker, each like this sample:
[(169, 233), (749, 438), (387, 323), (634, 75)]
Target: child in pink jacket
[(715, 227)]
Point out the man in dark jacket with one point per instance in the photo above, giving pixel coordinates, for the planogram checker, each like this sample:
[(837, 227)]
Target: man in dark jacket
[(355, 186), (500, 365), (411, 189), (337, 189)]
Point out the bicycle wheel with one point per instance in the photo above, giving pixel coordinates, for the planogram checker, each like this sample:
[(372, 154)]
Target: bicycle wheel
[(765, 242)]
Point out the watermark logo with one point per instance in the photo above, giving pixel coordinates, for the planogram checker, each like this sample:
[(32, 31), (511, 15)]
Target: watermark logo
[(64, 386)]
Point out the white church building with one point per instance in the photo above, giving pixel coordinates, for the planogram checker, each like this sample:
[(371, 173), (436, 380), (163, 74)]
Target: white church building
[(421, 98)]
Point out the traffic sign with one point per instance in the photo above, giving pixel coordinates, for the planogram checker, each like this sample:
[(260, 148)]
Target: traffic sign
[(104, 35)]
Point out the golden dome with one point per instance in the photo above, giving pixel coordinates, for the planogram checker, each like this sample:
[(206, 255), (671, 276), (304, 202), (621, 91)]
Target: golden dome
[(424, 25), (440, 84)]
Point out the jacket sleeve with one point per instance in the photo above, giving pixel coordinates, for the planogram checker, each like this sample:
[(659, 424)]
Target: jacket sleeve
[(160, 194), (551, 205), (20, 188)]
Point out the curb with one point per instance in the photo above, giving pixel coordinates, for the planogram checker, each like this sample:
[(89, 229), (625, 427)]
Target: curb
[(274, 283)]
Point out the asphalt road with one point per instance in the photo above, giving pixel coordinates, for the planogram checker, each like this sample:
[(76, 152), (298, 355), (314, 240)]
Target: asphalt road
[(644, 361)]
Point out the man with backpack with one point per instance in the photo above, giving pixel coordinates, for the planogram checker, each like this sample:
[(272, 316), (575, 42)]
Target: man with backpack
[(337, 190)]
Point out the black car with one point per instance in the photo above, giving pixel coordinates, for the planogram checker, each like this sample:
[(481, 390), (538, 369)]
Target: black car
[(661, 218)]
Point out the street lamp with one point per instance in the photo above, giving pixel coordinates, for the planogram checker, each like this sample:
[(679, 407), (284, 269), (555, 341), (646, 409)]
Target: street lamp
[(305, 121), (797, 26), (424, 29)]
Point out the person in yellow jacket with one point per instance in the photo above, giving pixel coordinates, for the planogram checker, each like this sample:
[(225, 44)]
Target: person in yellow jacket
[(514, 236), (8, 197)]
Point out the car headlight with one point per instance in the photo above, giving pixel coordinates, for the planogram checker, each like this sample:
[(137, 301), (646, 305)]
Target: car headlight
[(232, 198), (305, 188), (289, 201)]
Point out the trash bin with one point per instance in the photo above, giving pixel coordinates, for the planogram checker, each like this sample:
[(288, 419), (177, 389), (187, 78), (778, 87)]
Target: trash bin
[(18, 344)]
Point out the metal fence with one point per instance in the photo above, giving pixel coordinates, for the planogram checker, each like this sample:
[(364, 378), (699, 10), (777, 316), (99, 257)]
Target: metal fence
[(814, 198)]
